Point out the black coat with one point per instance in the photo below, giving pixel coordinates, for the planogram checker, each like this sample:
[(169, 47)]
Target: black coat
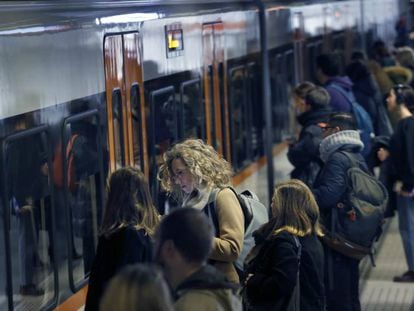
[(304, 153), (124, 247), (275, 273), (402, 153)]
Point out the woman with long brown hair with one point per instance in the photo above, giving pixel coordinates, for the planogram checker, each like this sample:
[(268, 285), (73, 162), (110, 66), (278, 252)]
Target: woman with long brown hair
[(287, 250), (128, 223)]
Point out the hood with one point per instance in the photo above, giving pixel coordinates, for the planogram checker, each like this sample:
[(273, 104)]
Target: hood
[(334, 142), (342, 81)]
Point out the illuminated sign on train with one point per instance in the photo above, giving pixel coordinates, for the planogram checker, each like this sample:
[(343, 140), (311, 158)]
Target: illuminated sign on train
[(174, 40)]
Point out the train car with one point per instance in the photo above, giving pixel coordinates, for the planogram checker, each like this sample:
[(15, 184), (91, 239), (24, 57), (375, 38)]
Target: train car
[(90, 86)]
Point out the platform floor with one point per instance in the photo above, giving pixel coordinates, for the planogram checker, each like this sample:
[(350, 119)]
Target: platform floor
[(378, 291)]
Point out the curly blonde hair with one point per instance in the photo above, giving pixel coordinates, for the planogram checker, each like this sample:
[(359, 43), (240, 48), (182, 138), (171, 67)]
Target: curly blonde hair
[(204, 163)]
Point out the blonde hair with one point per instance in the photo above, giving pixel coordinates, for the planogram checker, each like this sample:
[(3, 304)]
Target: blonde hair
[(129, 203), (204, 163), (295, 209), (137, 288)]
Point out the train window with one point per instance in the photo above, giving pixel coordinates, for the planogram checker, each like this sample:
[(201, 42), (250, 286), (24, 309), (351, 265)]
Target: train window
[(255, 110), (164, 131), (117, 123), (29, 217), (193, 118), (85, 164), (137, 126), (238, 116)]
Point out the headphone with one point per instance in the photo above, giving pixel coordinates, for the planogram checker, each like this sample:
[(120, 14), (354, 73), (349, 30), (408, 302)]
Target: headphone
[(399, 93)]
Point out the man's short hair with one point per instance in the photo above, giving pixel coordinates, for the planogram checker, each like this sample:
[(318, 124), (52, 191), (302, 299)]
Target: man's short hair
[(191, 232), (330, 64), (317, 97), (343, 120)]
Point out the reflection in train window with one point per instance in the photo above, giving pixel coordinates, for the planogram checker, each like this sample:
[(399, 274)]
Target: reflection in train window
[(84, 193), (29, 209), (136, 127), (117, 119), (193, 123), (238, 116)]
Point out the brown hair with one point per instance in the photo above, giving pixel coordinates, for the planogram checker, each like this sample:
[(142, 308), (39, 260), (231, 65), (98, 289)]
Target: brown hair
[(129, 203), (295, 209)]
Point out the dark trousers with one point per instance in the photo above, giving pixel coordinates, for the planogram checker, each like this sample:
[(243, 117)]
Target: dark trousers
[(341, 282)]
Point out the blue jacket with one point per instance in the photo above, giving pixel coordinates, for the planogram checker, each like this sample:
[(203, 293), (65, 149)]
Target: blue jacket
[(338, 101)]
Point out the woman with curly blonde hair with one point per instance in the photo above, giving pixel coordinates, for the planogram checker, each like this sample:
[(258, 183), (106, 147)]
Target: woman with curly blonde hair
[(129, 221), (198, 176), (287, 250)]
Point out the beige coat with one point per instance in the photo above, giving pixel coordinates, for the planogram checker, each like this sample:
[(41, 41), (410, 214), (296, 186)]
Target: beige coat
[(227, 247)]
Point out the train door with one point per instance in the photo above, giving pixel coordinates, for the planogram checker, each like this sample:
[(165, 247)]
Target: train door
[(216, 107), (124, 95)]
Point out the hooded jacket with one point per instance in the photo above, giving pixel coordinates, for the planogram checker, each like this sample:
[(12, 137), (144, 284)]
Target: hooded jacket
[(206, 290), (331, 184), (304, 153), (338, 102)]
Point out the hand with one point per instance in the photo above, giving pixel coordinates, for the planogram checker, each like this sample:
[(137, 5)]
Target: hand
[(405, 194)]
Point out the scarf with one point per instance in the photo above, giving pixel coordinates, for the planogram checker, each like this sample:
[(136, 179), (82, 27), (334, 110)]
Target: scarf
[(198, 199), (333, 142)]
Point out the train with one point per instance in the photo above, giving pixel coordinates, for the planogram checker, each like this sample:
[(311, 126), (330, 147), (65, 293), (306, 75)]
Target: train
[(130, 78)]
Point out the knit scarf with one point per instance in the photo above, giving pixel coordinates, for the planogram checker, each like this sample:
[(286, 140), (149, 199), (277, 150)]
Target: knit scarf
[(333, 142), (197, 199)]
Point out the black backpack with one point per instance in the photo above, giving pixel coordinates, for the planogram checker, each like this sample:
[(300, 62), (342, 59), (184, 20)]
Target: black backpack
[(357, 220)]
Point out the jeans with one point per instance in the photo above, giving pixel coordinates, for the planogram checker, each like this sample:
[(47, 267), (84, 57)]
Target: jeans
[(406, 226)]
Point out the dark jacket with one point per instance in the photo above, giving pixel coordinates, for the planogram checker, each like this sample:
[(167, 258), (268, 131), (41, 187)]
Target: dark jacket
[(125, 246), (275, 272), (402, 153), (206, 289), (304, 153), (331, 184), (338, 102)]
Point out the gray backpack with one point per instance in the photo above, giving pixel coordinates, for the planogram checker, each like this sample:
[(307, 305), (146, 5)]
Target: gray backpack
[(255, 215)]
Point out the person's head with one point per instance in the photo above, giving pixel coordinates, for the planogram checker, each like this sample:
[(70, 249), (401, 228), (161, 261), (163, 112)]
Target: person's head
[(339, 121), (129, 202), (328, 66), (137, 288), (405, 57), (294, 207), (357, 71), (184, 241), (299, 95), (358, 55), (193, 164), (401, 95)]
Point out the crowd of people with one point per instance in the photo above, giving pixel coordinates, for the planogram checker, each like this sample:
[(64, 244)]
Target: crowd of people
[(185, 260)]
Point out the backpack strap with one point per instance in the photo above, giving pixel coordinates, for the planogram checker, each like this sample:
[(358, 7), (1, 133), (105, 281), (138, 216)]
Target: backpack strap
[(294, 301)]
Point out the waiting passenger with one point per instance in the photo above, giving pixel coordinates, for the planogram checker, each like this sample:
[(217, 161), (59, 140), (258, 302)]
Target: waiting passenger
[(399, 96), (184, 242), (193, 171), (288, 243), (312, 106), (137, 288), (340, 135), (402, 158), (328, 73), (129, 221)]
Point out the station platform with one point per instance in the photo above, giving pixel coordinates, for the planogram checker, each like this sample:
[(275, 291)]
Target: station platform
[(378, 291)]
